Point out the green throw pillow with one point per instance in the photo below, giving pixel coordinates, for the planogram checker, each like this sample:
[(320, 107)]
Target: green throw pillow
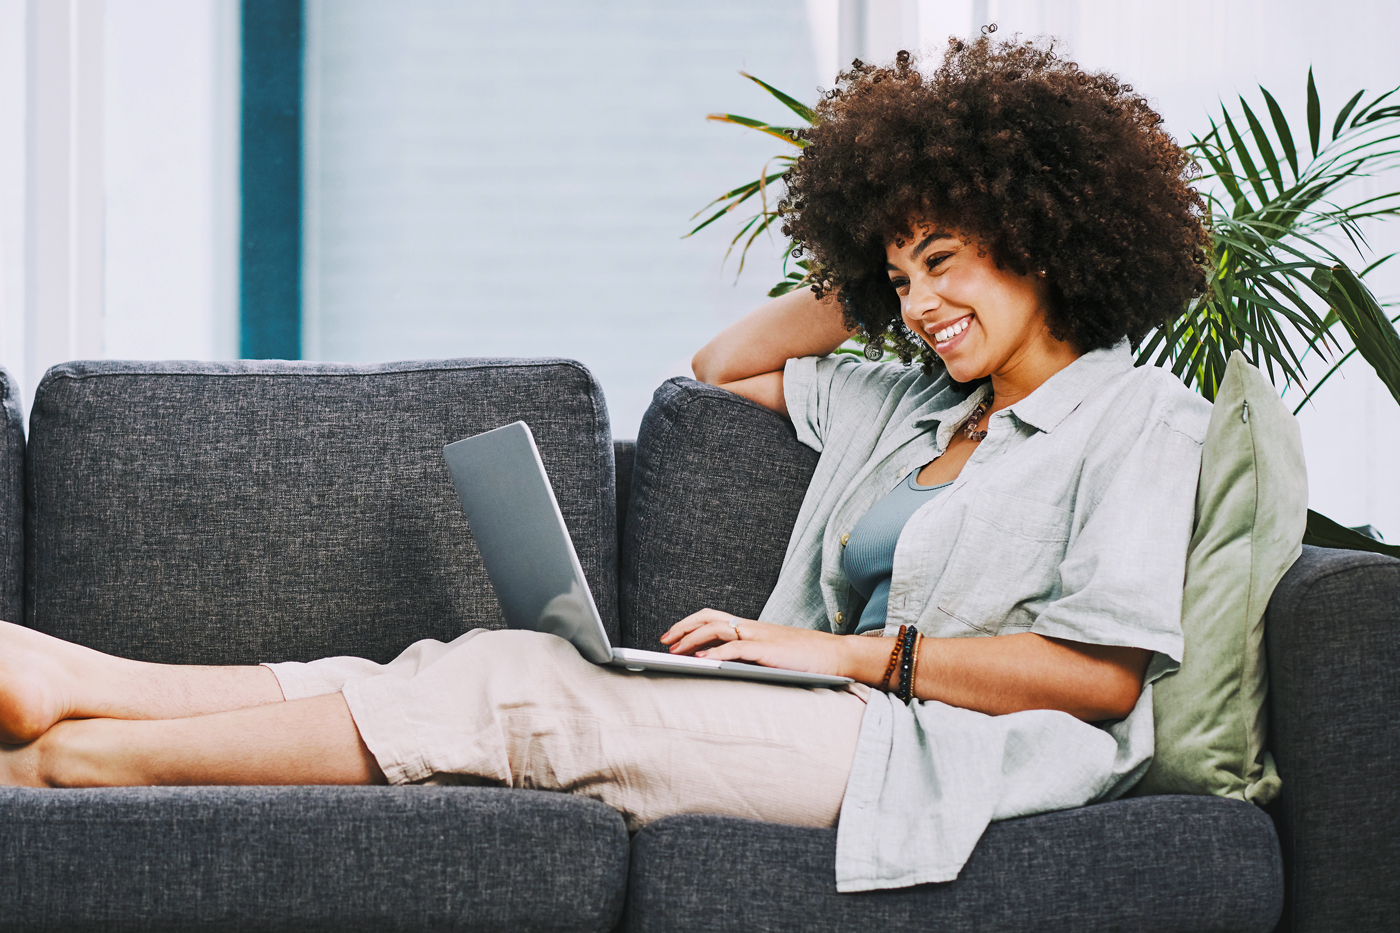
[(1251, 508)]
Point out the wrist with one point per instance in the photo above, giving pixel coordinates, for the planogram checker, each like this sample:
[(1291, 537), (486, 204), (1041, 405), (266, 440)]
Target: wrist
[(863, 658)]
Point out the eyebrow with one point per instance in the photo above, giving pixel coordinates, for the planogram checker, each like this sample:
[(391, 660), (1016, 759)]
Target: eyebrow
[(923, 245)]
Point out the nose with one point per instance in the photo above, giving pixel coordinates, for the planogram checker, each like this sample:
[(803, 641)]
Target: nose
[(921, 302)]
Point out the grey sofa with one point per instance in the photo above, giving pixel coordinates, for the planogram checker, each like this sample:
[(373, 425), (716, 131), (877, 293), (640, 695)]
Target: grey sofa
[(232, 513)]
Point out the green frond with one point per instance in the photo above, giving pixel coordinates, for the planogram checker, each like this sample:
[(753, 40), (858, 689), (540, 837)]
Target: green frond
[(1285, 135), (1314, 114), (796, 106)]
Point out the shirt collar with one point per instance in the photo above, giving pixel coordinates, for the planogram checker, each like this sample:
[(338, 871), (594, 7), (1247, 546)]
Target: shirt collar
[(1063, 392), (1050, 404)]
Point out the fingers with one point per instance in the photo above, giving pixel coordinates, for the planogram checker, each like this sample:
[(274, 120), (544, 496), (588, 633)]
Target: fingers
[(707, 627), (708, 634), (736, 651), (690, 623)]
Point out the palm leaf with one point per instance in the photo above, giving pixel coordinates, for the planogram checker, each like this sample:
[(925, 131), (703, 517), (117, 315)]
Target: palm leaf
[(786, 133), (1261, 141), (1366, 324), (1246, 162), (796, 106), (1314, 114), (1285, 135), (1319, 383), (1345, 112)]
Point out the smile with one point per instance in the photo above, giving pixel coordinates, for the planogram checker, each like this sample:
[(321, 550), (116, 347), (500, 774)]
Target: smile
[(951, 331)]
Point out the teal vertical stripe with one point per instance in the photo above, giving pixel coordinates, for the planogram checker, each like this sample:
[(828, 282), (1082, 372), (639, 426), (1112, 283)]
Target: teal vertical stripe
[(270, 180)]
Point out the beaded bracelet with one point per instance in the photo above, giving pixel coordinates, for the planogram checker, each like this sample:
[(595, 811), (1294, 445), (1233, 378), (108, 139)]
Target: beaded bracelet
[(894, 659), (918, 642), (906, 666)]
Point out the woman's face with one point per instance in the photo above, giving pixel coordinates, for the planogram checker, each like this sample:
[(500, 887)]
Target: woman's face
[(979, 319)]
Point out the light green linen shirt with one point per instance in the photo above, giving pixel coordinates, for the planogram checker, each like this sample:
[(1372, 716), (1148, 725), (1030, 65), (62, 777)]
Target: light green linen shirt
[(1071, 519)]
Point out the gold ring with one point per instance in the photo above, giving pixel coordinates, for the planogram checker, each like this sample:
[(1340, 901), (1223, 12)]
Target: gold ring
[(735, 627)]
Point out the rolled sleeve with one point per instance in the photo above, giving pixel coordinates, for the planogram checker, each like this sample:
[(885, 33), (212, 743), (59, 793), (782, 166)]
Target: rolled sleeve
[(823, 391)]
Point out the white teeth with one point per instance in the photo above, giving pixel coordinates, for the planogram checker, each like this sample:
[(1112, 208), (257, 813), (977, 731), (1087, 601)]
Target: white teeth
[(952, 330)]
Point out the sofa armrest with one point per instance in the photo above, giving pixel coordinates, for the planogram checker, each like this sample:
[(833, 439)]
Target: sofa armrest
[(11, 501), (1333, 637)]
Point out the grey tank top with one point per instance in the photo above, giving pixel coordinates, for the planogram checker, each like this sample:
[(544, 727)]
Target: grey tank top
[(868, 558)]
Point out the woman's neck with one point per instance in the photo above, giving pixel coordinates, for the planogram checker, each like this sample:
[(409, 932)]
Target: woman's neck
[(1030, 369)]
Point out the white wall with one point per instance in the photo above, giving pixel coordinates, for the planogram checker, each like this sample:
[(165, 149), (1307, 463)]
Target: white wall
[(12, 143), (118, 181), (171, 170), (58, 165), (515, 179)]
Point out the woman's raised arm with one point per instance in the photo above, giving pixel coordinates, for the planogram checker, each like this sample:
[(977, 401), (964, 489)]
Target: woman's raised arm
[(747, 357)]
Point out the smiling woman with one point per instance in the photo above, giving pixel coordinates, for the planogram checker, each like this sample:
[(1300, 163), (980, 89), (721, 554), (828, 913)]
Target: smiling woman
[(1014, 224)]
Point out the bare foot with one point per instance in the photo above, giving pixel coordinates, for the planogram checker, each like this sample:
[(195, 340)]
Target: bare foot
[(34, 683), (19, 766)]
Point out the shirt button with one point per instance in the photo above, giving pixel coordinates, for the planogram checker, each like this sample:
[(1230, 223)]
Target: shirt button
[(839, 618), (844, 539)]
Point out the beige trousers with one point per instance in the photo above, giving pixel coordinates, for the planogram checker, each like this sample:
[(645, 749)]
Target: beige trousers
[(524, 709)]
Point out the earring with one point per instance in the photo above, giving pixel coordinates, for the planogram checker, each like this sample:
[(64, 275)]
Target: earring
[(874, 353), (1040, 272)]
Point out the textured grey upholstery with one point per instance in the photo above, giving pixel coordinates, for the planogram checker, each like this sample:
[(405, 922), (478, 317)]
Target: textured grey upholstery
[(1179, 864), (11, 502), (232, 513), (624, 456), (715, 491), (305, 859), (1333, 635), (225, 513)]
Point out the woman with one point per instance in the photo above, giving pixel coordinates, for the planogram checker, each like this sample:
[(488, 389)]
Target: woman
[(1013, 223)]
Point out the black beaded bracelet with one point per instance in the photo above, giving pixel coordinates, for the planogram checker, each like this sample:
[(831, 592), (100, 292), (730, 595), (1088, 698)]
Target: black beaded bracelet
[(906, 665)]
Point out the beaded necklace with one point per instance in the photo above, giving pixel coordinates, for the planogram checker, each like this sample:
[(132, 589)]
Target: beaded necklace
[(969, 428)]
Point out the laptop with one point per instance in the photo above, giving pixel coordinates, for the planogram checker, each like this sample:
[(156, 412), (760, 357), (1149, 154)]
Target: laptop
[(535, 571)]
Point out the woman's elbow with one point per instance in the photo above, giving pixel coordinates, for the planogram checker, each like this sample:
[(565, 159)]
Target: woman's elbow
[(1117, 695)]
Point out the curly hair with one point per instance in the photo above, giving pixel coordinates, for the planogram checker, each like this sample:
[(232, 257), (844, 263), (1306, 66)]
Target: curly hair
[(1045, 166)]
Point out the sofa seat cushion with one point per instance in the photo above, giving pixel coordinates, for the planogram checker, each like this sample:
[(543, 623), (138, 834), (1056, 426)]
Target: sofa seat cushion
[(233, 513), (1171, 863), (338, 859)]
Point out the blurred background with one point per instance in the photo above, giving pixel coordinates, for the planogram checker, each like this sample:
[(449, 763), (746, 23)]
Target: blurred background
[(367, 180)]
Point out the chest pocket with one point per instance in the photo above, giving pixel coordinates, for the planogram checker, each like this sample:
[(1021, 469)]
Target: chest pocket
[(1004, 569)]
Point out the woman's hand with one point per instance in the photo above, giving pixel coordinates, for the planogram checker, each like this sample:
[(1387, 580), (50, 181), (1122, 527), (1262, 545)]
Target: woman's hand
[(720, 636)]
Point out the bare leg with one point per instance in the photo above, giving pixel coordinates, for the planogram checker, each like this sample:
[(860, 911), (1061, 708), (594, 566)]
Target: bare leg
[(310, 741), (44, 680)]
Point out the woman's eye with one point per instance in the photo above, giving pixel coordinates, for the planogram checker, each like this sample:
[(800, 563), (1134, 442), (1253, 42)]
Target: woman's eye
[(899, 283), (932, 262)]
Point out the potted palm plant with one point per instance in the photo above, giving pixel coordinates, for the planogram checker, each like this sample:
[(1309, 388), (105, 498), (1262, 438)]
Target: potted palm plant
[(1281, 289)]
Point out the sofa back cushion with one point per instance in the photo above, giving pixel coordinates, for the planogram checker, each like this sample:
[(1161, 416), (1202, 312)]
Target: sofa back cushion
[(231, 513), (716, 486), (11, 500)]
